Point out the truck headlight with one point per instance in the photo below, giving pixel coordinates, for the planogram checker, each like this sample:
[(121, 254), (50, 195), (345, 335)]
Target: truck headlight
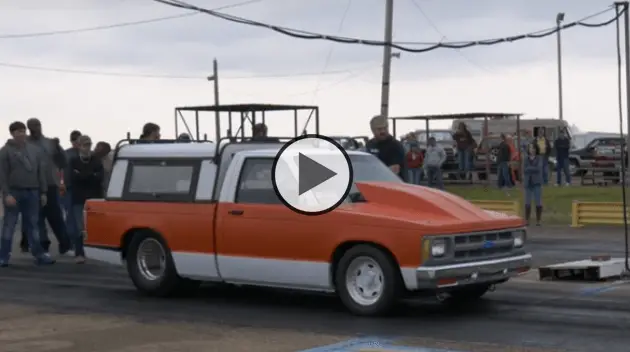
[(519, 238), (438, 247)]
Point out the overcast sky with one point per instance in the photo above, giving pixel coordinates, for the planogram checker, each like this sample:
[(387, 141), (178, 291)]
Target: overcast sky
[(512, 77)]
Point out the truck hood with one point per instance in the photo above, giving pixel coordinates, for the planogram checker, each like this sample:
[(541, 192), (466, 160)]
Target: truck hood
[(405, 205)]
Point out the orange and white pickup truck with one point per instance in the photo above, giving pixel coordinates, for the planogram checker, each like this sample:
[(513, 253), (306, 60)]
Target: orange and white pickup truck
[(177, 214)]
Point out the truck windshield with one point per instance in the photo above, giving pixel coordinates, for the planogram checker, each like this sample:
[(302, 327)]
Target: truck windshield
[(367, 168)]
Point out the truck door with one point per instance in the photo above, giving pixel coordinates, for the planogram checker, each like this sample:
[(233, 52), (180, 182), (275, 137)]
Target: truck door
[(260, 240)]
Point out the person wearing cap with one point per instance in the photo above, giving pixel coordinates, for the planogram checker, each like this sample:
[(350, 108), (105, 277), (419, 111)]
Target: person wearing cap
[(87, 182), (385, 147), (55, 162), (24, 186)]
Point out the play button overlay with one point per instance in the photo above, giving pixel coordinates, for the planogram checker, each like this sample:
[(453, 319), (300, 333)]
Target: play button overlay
[(312, 175)]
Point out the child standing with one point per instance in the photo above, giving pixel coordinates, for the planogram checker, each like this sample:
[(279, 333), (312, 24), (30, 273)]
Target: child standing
[(414, 159), (533, 181), (87, 182)]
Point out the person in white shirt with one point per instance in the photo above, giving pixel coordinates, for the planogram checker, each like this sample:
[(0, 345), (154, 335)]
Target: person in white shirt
[(434, 158)]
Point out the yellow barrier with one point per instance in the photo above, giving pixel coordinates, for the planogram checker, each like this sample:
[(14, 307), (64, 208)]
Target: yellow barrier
[(597, 213), (510, 207)]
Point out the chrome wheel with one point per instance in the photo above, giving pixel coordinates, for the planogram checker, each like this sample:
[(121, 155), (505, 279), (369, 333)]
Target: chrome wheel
[(365, 281), (151, 259)]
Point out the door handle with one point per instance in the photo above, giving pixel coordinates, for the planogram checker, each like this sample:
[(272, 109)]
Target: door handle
[(236, 212)]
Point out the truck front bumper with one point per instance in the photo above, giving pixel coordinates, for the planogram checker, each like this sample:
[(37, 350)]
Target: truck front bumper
[(487, 271)]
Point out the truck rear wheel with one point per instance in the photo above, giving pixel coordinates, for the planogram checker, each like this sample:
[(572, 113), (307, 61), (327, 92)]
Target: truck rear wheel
[(368, 281), (151, 267)]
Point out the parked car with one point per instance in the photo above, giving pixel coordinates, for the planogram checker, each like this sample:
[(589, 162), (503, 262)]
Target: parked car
[(600, 150)]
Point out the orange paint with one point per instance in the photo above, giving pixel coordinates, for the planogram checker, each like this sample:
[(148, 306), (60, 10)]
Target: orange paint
[(395, 216)]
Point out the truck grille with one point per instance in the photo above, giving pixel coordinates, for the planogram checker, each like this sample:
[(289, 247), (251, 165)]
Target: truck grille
[(482, 245)]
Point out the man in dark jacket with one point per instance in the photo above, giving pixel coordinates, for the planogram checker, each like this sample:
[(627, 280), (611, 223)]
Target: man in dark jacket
[(66, 199), (563, 146), (54, 160), (385, 147), (504, 157), (87, 180), (24, 186)]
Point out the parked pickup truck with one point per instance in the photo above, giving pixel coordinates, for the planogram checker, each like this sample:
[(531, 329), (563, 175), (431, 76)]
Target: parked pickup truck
[(178, 214)]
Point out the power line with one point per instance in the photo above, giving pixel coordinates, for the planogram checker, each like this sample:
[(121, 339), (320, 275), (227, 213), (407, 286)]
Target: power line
[(350, 76), (403, 46), (135, 75), (331, 49), (438, 31), (117, 25)]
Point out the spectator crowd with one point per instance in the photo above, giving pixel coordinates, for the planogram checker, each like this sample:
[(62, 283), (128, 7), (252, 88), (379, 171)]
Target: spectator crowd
[(43, 183)]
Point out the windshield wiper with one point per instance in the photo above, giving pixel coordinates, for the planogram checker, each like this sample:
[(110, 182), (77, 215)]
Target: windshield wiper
[(356, 197)]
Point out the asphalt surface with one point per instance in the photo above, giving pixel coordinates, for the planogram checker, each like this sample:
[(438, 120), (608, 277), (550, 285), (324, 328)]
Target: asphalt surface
[(93, 307)]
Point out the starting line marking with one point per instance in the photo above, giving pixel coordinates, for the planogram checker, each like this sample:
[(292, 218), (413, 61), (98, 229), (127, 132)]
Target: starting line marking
[(372, 345)]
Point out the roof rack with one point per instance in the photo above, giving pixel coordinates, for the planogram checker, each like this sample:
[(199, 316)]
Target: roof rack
[(249, 114), (127, 141)]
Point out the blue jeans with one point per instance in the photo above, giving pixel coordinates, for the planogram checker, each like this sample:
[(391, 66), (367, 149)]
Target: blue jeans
[(434, 177), (77, 237), (504, 179), (415, 175), (71, 222), (27, 204), (563, 166), (533, 193), (545, 170), (53, 213), (464, 160)]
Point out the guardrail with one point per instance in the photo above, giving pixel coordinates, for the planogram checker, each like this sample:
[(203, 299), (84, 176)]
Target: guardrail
[(599, 174), (510, 207), (597, 213)]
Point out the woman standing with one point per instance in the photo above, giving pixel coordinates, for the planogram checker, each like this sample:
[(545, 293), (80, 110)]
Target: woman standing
[(87, 182), (465, 146), (533, 181)]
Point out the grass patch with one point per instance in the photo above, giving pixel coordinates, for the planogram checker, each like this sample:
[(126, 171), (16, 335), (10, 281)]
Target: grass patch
[(556, 200)]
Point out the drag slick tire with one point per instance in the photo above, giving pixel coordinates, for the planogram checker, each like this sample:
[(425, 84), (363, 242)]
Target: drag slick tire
[(368, 281), (151, 267)]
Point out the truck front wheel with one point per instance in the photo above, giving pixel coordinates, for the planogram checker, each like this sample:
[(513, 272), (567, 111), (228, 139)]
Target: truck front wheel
[(151, 267), (368, 281)]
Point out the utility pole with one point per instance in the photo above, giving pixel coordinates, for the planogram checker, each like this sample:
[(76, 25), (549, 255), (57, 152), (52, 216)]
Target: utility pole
[(559, 20), (217, 115), (626, 39), (387, 58)]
